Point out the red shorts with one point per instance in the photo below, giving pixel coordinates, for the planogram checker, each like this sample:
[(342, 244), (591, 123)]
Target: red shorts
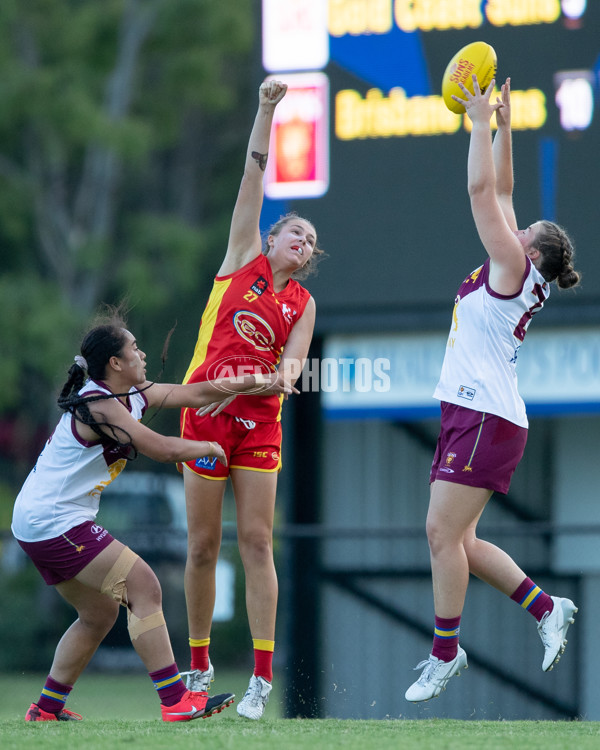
[(477, 449), (247, 444), (63, 557)]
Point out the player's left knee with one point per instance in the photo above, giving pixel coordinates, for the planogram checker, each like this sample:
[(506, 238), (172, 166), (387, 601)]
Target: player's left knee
[(257, 550)]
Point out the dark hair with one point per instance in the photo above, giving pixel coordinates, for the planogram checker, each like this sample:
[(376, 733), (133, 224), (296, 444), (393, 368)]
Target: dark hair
[(557, 251), (105, 340), (310, 267)]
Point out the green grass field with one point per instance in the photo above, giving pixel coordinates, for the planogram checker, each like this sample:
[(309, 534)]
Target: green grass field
[(122, 711)]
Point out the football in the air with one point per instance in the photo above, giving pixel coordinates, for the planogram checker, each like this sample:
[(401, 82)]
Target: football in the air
[(477, 58)]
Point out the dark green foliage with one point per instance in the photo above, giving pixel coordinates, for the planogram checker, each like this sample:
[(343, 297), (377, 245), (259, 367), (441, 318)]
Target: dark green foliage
[(120, 123)]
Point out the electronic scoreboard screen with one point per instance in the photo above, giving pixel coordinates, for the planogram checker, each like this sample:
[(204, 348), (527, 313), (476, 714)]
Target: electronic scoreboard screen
[(379, 164)]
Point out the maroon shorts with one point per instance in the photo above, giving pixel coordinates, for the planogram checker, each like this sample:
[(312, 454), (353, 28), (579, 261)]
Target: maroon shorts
[(477, 449), (247, 444), (63, 557)]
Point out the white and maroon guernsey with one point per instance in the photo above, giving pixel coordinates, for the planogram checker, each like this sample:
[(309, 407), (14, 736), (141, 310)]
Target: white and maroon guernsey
[(479, 370), (63, 488)]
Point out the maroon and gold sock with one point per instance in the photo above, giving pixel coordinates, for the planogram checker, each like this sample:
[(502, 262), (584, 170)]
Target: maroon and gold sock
[(263, 658), (199, 652), (445, 638), (54, 695), (533, 599), (169, 685)]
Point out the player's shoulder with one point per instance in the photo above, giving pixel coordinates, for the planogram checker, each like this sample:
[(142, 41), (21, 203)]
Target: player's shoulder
[(234, 268)]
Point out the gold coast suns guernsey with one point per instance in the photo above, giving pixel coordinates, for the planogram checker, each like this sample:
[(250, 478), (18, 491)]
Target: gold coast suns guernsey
[(479, 370), (243, 330)]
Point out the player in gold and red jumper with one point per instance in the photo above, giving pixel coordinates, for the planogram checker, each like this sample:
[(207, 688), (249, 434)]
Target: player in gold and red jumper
[(258, 318)]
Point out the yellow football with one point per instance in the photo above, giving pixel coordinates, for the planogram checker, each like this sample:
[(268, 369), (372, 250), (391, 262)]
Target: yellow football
[(477, 58)]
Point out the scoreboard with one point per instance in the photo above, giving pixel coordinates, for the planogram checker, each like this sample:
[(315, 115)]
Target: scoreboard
[(378, 163)]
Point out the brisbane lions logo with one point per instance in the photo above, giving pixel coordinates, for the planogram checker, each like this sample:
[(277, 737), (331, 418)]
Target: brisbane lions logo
[(254, 329)]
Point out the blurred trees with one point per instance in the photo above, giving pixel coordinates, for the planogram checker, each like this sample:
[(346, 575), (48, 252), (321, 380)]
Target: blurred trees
[(123, 126)]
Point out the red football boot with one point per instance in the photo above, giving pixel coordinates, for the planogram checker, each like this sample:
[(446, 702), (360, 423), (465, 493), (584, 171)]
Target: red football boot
[(196, 706), (35, 713)]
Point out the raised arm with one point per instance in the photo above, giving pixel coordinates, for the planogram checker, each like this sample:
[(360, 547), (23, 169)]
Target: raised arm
[(244, 234), (505, 251), (502, 150)]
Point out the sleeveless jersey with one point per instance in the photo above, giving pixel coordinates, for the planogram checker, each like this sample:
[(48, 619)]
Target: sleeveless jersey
[(63, 489), (479, 369), (243, 330)]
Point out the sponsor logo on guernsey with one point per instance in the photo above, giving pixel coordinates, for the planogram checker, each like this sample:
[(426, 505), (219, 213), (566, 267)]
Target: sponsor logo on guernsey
[(254, 329), (206, 462), (260, 285), (467, 392)]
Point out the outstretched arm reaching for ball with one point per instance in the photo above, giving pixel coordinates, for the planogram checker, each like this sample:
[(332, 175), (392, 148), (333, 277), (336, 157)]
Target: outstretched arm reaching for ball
[(502, 150), (505, 251)]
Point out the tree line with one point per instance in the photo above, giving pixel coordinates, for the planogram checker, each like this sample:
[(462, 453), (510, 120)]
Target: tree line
[(122, 132)]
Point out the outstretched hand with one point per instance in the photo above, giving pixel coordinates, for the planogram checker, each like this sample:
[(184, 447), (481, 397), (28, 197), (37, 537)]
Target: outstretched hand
[(217, 451), (477, 104), (271, 92), (503, 112), (274, 384), (215, 408)]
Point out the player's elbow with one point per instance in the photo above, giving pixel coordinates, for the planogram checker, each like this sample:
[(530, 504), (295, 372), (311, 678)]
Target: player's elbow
[(481, 190)]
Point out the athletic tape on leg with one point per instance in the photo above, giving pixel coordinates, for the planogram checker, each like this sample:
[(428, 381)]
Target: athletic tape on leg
[(115, 582), (137, 626)]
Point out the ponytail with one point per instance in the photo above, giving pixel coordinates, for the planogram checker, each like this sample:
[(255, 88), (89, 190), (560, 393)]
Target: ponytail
[(556, 249), (102, 342), (71, 401)]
